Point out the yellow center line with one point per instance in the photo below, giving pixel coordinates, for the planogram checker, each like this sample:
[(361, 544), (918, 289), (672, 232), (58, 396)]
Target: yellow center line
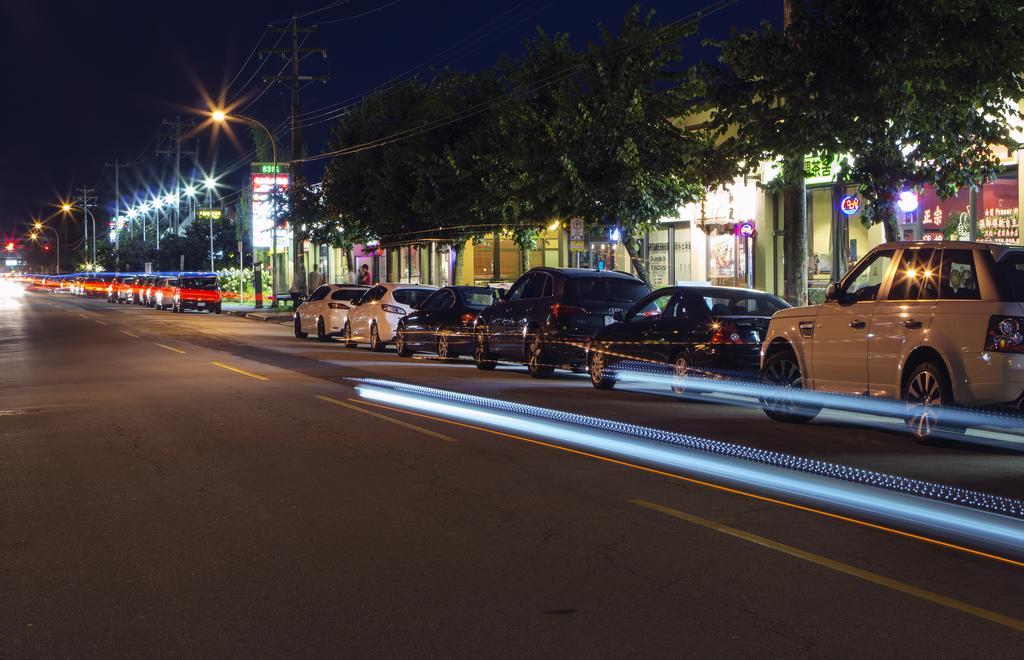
[(387, 418), (239, 371), (714, 486), (130, 334), (170, 348), (101, 322), (838, 566)]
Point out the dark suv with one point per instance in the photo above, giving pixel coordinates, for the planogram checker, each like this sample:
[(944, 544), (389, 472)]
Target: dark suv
[(549, 315)]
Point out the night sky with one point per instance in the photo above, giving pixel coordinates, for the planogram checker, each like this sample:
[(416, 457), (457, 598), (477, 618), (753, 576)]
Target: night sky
[(86, 83)]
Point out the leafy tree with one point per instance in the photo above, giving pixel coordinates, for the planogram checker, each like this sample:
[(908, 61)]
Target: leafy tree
[(905, 93), (625, 162)]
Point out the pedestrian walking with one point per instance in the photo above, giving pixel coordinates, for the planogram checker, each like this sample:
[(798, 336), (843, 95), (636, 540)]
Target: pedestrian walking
[(364, 275)]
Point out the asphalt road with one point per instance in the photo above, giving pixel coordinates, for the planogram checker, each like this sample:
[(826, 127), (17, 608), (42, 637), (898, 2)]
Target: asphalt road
[(193, 485)]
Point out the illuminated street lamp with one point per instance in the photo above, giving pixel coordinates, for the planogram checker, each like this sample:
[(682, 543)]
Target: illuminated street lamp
[(67, 208), (39, 226), (219, 116)]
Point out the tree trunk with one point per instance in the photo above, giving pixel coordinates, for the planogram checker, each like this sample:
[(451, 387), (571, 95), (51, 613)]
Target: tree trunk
[(794, 232), (633, 249), (460, 259), (892, 228), (524, 260)]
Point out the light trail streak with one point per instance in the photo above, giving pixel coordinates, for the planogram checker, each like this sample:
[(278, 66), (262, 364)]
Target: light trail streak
[(965, 516)]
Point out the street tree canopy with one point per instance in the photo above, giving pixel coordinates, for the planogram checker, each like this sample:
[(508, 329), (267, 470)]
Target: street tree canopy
[(906, 93)]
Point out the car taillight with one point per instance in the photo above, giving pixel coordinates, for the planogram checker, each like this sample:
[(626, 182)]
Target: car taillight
[(1005, 334), (393, 309), (561, 312), (337, 305), (467, 319), (725, 333)]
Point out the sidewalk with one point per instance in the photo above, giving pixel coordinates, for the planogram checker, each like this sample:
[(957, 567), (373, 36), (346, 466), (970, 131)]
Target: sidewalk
[(250, 312)]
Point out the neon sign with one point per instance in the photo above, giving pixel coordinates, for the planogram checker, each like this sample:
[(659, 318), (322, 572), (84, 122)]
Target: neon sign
[(849, 205)]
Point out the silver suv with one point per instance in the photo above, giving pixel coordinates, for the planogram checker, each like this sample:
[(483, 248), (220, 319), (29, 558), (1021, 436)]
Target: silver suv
[(929, 323)]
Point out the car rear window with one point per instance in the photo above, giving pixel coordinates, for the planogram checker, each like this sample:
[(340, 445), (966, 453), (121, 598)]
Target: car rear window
[(479, 299), (605, 288), (348, 294), (205, 283), (1011, 277), (724, 302), (412, 296)]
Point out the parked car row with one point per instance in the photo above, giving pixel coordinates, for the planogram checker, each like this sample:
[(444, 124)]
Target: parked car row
[(178, 292), (931, 324)]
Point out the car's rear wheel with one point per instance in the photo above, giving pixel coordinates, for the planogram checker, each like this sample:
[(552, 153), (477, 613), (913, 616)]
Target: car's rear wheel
[(347, 333), (536, 359), (481, 357), (782, 372), (321, 331), (926, 390), (401, 347), (680, 371), (600, 374), (376, 345), (444, 348), (298, 329)]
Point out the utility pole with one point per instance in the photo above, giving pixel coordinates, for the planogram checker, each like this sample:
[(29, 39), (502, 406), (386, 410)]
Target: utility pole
[(295, 78), (117, 165), (87, 197), (169, 144)]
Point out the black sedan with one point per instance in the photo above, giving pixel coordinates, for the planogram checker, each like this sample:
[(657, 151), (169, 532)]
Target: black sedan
[(444, 322), (686, 330)]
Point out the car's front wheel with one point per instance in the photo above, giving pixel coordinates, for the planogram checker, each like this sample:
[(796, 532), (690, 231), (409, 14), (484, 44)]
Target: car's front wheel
[(321, 331), (782, 372), (298, 329), (401, 347), (347, 333), (600, 375), (444, 348)]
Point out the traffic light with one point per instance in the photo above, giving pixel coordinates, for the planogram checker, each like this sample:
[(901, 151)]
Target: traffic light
[(46, 248)]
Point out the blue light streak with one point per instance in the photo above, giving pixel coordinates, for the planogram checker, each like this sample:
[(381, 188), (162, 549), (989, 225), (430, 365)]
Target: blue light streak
[(965, 515)]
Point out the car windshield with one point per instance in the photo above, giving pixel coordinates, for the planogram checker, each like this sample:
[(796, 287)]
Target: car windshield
[(478, 299), (206, 283), (412, 297), (726, 302), (1011, 275), (348, 294), (617, 289)]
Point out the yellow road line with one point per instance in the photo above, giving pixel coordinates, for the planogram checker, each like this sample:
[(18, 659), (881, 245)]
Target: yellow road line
[(170, 348), (714, 486), (239, 371), (838, 566), (130, 334), (101, 322), (387, 418)]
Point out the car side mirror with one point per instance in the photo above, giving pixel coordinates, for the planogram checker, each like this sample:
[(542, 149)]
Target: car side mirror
[(832, 292), (619, 315)]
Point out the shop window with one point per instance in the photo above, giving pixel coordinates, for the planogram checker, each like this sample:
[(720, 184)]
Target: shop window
[(483, 260), (944, 217), (657, 258), (998, 211), (683, 256), (509, 260)]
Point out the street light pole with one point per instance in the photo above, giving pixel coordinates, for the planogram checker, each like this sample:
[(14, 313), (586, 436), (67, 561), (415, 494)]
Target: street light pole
[(221, 116), (56, 236)]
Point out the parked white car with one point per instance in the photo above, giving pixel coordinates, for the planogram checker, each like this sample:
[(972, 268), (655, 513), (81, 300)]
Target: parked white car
[(930, 323), (325, 311), (375, 317)]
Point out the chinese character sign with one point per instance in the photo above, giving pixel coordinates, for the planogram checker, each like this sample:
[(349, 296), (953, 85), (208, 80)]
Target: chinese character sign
[(262, 222)]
